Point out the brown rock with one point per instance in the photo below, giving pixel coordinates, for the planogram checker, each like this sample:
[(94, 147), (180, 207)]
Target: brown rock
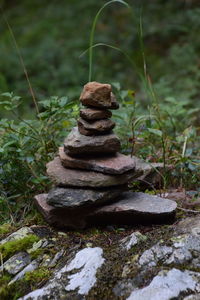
[(96, 94), (132, 208), (113, 164), (79, 178), (91, 114), (135, 208), (61, 217), (114, 103), (77, 144), (96, 127)]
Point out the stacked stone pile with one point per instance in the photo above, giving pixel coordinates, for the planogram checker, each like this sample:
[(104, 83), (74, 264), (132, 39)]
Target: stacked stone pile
[(90, 174)]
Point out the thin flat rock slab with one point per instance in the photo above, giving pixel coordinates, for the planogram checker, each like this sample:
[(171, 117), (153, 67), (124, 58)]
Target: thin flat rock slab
[(62, 217), (73, 198), (77, 144), (136, 208), (62, 176), (113, 164), (96, 127), (92, 114), (96, 94)]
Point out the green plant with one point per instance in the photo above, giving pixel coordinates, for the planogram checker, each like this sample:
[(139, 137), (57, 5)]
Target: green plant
[(25, 148)]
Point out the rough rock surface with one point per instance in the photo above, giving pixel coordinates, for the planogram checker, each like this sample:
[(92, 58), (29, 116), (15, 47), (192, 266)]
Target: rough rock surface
[(85, 264), (96, 95), (154, 263), (113, 164), (19, 234), (131, 209), (79, 178), (92, 114), (166, 285), (16, 263), (136, 207), (79, 144), (96, 127), (73, 198)]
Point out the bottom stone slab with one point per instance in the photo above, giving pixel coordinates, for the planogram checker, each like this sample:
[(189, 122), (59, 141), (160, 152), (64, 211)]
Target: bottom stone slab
[(132, 208)]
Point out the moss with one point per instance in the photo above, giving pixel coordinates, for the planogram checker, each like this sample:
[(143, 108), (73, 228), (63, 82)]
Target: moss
[(36, 276), (11, 247), (5, 228)]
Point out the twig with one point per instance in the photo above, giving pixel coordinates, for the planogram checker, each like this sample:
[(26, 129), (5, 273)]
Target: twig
[(189, 210)]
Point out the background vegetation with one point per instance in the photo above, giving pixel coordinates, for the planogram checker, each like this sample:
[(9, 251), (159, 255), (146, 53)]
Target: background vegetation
[(158, 91)]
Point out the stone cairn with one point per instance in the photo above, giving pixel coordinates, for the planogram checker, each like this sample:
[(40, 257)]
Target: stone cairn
[(90, 175)]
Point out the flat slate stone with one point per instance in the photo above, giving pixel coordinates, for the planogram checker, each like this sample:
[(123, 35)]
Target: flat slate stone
[(133, 208), (136, 207), (17, 262), (79, 178), (96, 94), (113, 164), (61, 217), (77, 144), (91, 114), (96, 127), (73, 198)]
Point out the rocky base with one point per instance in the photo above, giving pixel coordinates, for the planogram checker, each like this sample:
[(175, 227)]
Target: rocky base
[(126, 263), (130, 208)]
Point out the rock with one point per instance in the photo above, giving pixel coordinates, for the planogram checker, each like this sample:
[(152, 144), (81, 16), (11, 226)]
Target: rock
[(31, 267), (61, 217), (149, 174), (114, 103), (56, 258), (79, 178), (16, 263), (133, 208), (136, 208), (166, 285), (79, 144), (73, 198), (84, 267), (17, 235), (96, 95), (128, 242), (189, 225), (154, 255), (113, 164), (92, 114), (89, 259), (96, 127)]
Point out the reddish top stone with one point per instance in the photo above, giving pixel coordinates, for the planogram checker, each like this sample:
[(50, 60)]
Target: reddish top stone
[(97, 94)]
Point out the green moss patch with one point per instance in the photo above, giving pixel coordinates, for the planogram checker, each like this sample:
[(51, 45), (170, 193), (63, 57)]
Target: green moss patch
[(11, 247)]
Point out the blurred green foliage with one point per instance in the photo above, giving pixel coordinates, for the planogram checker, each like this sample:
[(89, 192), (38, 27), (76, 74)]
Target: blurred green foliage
[(51, 36)]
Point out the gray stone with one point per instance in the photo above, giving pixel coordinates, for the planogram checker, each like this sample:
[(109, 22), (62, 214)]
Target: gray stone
[(84, 267), (113, 164), (31, 267), (96, 127), (79, 178), (156, 254), (17, 235), (133, 239), (149, 175), (77, 144), (16, 263), (136, 208), (73, 198), (91, 114), (166, 285)]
